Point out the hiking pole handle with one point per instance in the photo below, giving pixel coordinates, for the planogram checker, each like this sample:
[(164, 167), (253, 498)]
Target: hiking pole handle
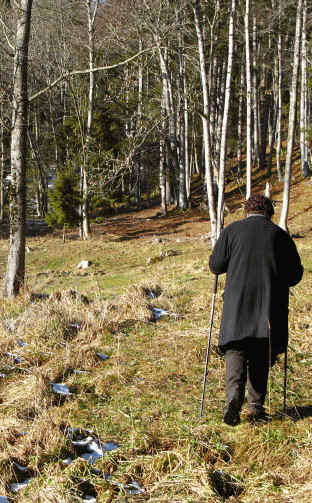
[(215, 286)]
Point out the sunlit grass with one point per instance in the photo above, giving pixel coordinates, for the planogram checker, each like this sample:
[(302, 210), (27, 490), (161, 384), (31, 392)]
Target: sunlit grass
[(146, 395)]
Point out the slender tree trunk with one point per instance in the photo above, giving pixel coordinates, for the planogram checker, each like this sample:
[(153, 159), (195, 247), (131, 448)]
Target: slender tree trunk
[(86, 231), (187, 144), (162, 161), (255, 95), (265, 110), (291, 119), (15, 272), (303, 94), (272, 136), (248, 107), (182, 171), (213, 105), (41, 193), (205, 118), (139, 169), (2, 150), (279, 111), (169, 106), (239, 122), (225, 120), (56, 149), (219, 111)]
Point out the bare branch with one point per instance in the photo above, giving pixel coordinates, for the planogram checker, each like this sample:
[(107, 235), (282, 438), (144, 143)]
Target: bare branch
[(85, 72), (5, 29)]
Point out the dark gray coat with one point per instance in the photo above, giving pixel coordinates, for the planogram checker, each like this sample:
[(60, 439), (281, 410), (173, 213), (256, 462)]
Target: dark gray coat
[(261, 262)]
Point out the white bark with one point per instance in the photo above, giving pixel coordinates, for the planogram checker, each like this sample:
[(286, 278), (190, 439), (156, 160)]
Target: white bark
[(138, 163), (279, 106), (186, 144), (15, 272), (205, 118), (248, 105), (169, 106), (162, 162), (255, 95), (91, 12), (291, 119), (225, 120), (182, 171), (239, 122), (219, 110), (303, 93)]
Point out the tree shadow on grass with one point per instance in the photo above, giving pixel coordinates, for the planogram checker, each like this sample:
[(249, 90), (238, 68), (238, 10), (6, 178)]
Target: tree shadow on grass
[(299, 412)]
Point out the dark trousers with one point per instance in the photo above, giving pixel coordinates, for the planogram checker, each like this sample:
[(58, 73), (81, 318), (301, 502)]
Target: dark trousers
[(248, 361)]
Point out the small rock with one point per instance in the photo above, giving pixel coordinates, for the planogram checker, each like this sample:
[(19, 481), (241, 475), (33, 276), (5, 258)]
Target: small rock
[(84, 264)]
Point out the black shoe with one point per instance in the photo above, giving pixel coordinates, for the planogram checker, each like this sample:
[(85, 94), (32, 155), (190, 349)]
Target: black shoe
[(258, 416), (231, 416)]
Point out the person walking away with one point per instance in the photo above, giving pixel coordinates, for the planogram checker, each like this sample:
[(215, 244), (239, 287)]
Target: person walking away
[(261, 262)]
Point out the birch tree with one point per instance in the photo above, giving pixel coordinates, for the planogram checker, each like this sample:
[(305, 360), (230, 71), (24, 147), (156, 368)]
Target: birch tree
[(248, 107), (92, 8), (205, 119), (291, 118), (279, 103), (225, 120), (255, 94), (304, 93)]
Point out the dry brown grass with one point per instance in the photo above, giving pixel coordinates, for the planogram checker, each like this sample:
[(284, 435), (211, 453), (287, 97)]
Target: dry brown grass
[(146, 395)]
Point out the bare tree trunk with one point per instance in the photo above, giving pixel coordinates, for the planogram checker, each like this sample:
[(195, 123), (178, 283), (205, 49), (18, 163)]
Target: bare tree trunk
[(205, 118), (291, 119), (239, 122), (56, 150), (248, 107), (186, 145), (162, 162), (265, 110), (274, 112), (219, 111), (2, 150), (169, 106), (15, 273), (225, 120), (41, 193), (255, 95), (279, 111), (91, 11), (138, 162), (182, 171), (303, 94)]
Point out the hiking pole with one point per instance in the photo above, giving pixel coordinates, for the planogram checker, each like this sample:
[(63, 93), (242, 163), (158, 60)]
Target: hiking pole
[(209, 343), (285, 381)]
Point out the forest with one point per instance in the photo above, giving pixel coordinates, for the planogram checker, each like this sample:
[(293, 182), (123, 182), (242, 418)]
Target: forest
[(108, 103)]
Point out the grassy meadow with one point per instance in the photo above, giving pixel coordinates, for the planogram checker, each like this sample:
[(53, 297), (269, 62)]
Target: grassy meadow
[(145, 397)]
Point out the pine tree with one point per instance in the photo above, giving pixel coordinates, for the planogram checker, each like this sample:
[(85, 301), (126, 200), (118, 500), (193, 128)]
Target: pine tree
[(64, 200)]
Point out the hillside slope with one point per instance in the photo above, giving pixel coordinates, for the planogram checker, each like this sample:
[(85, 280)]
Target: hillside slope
[(133, 380)]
